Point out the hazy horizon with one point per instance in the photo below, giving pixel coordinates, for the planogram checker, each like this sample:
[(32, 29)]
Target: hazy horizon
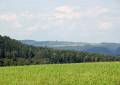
[(91, 21)]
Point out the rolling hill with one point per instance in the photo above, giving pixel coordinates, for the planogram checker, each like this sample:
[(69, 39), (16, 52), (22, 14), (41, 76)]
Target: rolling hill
[(13, 52), (101, 48)]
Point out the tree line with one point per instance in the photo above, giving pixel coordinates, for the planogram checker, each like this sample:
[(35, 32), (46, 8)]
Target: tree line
[(13, 52)]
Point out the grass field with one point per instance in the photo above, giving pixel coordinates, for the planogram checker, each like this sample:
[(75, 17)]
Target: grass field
[(65, 74)]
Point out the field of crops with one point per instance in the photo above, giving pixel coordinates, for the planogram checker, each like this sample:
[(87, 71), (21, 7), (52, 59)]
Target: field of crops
[(65, 74)]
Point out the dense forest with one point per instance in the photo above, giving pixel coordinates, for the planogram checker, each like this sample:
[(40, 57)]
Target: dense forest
[(13, 52)]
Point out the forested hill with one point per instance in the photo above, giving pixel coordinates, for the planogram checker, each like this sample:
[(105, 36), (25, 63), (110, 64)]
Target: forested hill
[(13, 52), (99, 48)]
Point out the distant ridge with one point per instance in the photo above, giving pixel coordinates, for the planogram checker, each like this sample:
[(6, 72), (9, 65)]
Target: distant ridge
[(102, 48)]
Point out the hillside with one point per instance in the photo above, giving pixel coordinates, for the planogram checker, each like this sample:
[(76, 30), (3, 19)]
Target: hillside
[(13, 52), (101, 48)]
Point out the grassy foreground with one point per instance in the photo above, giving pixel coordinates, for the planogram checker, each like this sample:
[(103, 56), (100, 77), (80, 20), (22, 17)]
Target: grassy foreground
[(66, 74)]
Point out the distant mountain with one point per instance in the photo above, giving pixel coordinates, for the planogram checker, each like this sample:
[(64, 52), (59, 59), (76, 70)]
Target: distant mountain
[(13, 52), (101, 48), (118, 51), (53, 43)]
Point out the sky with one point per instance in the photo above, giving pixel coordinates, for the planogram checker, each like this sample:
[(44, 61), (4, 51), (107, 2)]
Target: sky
[(63, 20)]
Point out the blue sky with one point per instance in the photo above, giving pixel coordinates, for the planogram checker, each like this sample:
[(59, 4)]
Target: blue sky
[(62, 20)]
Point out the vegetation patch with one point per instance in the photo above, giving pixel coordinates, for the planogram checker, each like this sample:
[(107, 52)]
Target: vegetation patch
[(62, 74)]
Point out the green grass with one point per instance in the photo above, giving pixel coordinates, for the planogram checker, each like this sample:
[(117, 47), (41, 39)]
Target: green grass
[(65, 74)]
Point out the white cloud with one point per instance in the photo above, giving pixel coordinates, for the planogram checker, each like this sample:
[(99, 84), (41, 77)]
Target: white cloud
[(17, 24), (27, 15), (95, 11), (8, 17), (31, 29), (66, 12), (11, 18), (105, 25), (26, 32)]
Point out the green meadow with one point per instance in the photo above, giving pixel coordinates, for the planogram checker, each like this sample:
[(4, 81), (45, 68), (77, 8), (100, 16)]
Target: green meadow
[(102, 73)]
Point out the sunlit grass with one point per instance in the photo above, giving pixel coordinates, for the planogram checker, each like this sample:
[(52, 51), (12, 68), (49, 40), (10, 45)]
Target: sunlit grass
[(62, 74)]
